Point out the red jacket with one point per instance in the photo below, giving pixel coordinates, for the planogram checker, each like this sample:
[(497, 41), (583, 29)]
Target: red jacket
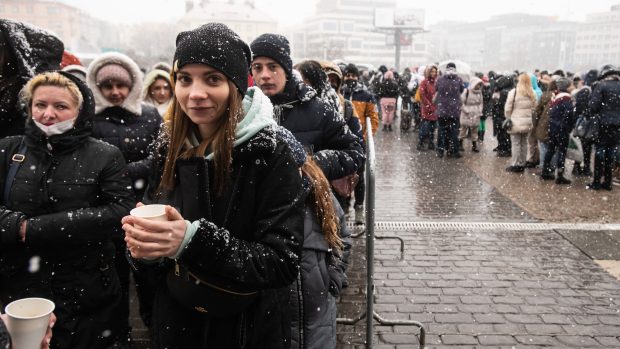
[(427, 90)]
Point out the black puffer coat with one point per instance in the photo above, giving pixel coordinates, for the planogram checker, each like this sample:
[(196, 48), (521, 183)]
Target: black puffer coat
[(132, 134), (322, 276), (317, 125), (388, 89), (252, 240), (30, 51), (132, 126), (73, 191), (605, 100)]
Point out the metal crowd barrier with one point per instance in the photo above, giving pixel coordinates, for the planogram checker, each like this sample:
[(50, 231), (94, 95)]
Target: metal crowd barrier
[(370, 253)]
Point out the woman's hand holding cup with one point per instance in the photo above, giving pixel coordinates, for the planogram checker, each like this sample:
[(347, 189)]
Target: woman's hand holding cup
[(153, 231)]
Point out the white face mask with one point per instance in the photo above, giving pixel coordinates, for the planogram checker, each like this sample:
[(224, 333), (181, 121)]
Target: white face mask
[(57, 128)]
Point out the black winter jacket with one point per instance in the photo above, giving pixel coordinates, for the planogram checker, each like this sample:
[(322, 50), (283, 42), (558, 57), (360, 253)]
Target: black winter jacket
[(73, 191), (317, 125), (582, 101), (30, 51), (132, 134), (605, 100), (250, 237), (388, 89)]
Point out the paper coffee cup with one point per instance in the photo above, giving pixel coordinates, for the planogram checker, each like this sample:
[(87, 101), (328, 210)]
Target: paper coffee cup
[(28, 319), (152, 212)]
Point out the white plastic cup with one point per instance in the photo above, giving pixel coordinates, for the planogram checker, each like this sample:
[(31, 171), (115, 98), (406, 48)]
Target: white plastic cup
[(28, 320), (151, 212)]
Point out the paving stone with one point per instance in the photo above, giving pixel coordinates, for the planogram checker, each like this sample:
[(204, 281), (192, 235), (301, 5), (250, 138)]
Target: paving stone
[(537, 340), (458, 318), (523, 318), (441, 308), (541, 329), (609, 342), (541, 300), (508, 300), (475, 329), (505, 309), (585, 319), (453, 339), (476, 300), (496, 340), (489, 318), (610, 320), (556, 319), (577, 341)]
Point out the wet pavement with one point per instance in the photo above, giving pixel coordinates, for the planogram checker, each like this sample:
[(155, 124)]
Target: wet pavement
[(491, 288)]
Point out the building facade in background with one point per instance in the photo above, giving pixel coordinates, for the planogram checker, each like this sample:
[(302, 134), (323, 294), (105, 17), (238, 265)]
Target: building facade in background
[(344, 30), (598, 39), (80, 32), (242, 17), (506, 42)]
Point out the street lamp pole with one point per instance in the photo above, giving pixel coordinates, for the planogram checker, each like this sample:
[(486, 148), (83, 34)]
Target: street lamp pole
[(397, 34)]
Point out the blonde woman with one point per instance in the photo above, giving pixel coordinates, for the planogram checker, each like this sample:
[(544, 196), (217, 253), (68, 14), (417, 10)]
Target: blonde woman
[(519, 107), (65, 193)]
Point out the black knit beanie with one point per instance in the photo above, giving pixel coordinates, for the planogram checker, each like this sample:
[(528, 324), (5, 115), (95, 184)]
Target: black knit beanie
[(275, 47), (215, 45), (351, 69)]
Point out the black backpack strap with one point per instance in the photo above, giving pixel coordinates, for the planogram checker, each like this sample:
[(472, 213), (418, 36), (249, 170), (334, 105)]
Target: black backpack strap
[(16, 161)]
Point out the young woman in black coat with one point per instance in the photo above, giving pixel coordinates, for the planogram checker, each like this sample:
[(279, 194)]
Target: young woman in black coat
[(237, 221), (61, 211)]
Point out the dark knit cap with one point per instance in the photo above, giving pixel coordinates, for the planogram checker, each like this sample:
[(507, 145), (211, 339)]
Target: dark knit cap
[(215, 45), (563, 84), (276, 47), (351, 69), (606, 70), (590, 77), (451, 65)]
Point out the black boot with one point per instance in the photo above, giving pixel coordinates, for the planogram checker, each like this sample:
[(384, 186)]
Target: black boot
[(461, 145), (481, 136), (474, 147), (561, 179), (546, 174)]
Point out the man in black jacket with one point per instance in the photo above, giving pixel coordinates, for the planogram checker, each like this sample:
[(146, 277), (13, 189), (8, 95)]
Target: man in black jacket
[(314, 123)]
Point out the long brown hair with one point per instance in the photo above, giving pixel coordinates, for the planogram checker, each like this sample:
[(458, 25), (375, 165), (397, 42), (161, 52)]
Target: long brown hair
[(179, 129), (321, 199)]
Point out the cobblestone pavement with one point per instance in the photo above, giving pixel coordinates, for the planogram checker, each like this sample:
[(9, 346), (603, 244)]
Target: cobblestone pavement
[(489, 289)]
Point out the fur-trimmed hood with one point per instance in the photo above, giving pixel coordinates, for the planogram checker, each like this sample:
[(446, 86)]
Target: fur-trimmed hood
[(133, 102), (149, 79)]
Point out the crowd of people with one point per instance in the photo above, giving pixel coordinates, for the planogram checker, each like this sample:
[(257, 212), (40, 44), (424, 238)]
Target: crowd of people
[(257, 162), (539, 119)]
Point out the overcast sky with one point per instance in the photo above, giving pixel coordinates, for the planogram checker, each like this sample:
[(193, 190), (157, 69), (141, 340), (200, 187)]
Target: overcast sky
[(288, 12)]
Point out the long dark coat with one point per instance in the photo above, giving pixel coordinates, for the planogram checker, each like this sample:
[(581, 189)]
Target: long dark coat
[(73, 190)]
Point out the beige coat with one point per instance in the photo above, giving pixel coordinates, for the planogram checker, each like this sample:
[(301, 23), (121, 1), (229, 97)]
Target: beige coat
[(471, 110), (521, 115)]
